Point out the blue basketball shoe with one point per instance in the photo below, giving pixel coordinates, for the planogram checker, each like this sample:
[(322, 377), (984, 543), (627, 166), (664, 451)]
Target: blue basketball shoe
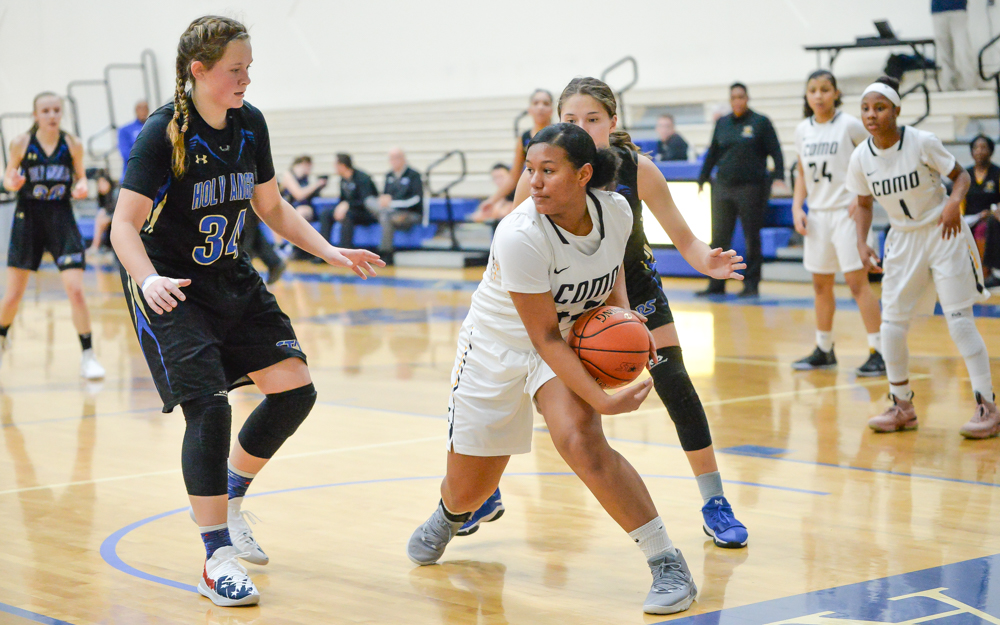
[(722, 526), (491, 510)]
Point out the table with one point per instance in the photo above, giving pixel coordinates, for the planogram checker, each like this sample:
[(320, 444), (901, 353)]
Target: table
[(919, 47)]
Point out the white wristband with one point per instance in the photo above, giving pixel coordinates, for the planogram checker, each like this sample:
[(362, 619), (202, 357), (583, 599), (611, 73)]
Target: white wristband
[(149, 279)]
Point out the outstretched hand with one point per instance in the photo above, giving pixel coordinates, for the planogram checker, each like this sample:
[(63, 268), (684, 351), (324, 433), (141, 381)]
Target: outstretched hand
[(360, 261), (724, 265)]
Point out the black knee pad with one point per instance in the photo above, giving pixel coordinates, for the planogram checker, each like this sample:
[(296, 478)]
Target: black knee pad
[(673, 385), (275, 419), (206, 445)]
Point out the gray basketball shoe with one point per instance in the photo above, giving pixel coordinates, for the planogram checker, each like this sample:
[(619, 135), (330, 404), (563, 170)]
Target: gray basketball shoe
[(673, 587), (428, 542)]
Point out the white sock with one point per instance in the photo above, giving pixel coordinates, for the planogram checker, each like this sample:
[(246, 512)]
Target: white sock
[(824, 340), (970, 344), (652, 539), (875, 341), (901, 391), (996, 273)]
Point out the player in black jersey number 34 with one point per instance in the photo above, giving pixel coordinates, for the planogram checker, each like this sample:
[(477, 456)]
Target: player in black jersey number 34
[(205, 321)]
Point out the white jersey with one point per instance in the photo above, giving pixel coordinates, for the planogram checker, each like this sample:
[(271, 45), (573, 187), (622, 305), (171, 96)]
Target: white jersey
[(531, 254), (825, 152), (905, 178)]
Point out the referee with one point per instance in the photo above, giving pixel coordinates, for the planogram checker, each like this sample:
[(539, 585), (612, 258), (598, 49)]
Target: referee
[(741, 143)]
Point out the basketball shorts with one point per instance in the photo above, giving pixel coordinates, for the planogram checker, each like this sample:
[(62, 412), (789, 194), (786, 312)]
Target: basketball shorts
[(831, 242), (645, 292), (919, 267), (492, 386), (229, 326), (48, 227)]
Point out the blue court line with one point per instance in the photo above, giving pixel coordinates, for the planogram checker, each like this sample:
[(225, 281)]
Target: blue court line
[(109, 548), (31, 616)]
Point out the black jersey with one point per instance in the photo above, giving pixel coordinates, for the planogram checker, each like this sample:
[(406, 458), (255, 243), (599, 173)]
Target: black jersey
[(525, 140), (983, 193), (197, 220), (48, 178), (627, 185)]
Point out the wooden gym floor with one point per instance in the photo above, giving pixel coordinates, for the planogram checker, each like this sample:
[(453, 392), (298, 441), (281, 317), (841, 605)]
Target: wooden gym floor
[(845, 525)]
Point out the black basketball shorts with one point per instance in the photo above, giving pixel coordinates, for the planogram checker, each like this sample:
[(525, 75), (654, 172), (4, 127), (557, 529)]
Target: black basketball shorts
[(49, 227), (645, 293), (229, 326)]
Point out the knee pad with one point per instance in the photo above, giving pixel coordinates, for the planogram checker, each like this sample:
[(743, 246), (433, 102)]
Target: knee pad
[(673, 385), (275, 419), (206, 445), (962, 327)]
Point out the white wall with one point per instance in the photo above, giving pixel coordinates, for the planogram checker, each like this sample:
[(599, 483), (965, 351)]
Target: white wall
[(320, 53)]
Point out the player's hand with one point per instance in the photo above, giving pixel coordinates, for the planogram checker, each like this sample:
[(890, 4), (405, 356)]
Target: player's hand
[(80, 189), (799, 219), (951, 220), (360, 261), (162, 293), (627, 399), (652, 342), (724, 265), (869, 258), (17, 181)]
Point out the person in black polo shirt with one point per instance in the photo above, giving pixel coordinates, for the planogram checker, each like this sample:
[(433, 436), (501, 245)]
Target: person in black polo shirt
[(741, 143), (358, 201), (983, 195), (671, 146), (401, 206)]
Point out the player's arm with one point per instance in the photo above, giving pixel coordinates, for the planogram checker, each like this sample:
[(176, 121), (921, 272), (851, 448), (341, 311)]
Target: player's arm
[(653, 190), (288, 223), (80, 190), (538, 313), (799, 198), (863, 221), (951, 216), (13, 179), (296, 190)]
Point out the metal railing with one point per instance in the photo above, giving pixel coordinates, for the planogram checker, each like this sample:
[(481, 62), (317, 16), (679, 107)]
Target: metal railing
[(446, 189), (620, 93), (927, 100), (995, 76), (517, 122), (3, 138)]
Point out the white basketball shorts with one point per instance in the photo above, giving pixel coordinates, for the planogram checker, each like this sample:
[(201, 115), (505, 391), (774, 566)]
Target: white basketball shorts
[(831, 242)]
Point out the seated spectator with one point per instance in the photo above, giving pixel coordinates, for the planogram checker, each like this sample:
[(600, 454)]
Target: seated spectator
[(401, 205), (358, 202), (500, 209), (128, 133), (107, 197), (296, 188), (671, 146), (984, 194)]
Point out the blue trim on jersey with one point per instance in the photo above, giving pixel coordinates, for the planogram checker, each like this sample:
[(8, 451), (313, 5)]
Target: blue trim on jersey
[(196, 140), (142, 325), (161, 193)]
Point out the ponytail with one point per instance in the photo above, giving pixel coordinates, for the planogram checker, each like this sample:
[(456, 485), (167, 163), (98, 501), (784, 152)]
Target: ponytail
[(605, 169), (177, 128)]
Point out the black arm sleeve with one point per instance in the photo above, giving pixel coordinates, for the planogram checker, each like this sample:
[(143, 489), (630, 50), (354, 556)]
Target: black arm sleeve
[(773, 149), (149, 161), (710, 157)]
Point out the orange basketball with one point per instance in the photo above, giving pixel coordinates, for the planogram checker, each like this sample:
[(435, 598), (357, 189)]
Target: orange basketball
[(612, 344)]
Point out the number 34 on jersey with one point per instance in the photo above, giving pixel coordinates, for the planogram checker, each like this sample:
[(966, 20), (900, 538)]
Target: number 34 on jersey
[(209, 193)]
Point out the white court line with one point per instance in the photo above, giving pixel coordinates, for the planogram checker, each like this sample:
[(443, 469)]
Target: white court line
[(170, 471)]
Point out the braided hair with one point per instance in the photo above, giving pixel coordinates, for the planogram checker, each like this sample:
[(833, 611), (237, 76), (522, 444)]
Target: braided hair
[(204, 40)]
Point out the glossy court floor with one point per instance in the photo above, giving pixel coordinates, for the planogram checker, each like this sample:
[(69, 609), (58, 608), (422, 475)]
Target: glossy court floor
[(846, 525)]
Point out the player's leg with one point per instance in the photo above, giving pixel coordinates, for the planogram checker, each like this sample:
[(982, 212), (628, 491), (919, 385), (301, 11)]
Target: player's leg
[(469, 481), (24, 255), (871, 316), (72, 280), (17, 283), (579, 438), (823, 356)]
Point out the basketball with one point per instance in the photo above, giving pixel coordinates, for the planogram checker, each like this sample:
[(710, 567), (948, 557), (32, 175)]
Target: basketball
[(612, 344)]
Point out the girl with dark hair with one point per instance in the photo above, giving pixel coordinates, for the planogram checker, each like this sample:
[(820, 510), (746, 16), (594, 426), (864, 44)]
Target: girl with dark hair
[(540, 111), (929, 251), (43, 164), (590, 104), (981, 202), (198, 166), (825, 141), (512, 350)]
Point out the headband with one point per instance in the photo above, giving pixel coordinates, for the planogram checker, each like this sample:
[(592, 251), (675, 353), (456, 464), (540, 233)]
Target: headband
[(884, 89)]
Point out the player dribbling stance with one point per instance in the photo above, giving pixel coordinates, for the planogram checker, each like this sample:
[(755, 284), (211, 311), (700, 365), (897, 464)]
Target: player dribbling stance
[(553, 258), (825, 141), (929, 251), (199, 164)]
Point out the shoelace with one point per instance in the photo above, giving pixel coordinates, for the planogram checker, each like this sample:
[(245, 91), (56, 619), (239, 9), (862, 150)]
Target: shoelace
[(668, 576), (231, 567), (433, 539), (981, 414), (723, 516), (242, 528)]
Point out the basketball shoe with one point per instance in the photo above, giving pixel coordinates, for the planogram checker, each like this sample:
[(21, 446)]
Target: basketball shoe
[(225, 581), (90, 369), (673, 588), (428, 542), (722, 526), (873, 367), (985, 423), (895, 418), (491, 510), (816, 360), (240, 533)]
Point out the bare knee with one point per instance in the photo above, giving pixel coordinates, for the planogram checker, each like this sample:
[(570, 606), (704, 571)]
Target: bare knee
[(585, 453), (823, 285), (857, 284), (75, 294)]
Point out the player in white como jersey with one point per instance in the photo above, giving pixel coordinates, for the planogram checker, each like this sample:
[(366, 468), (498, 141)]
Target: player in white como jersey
[(929, 248), (825, 141), (553, 258)]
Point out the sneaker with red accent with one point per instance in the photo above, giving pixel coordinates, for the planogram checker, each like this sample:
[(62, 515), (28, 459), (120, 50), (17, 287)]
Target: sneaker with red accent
[(985, 423), (895, 418), (225, 581)]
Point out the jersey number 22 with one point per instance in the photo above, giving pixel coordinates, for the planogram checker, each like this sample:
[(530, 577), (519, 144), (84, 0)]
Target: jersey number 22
[(215, 227)]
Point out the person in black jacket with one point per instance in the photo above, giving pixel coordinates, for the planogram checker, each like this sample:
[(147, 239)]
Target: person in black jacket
[(358, 201), (741, 143), (983, 196), (671, 146), (401, 205)]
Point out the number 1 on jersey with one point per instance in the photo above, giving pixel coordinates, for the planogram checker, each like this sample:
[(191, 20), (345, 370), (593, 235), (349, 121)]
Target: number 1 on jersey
[(215, 227)]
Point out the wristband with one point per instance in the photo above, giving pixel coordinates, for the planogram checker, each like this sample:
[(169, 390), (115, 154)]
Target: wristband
[(149, 279)]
